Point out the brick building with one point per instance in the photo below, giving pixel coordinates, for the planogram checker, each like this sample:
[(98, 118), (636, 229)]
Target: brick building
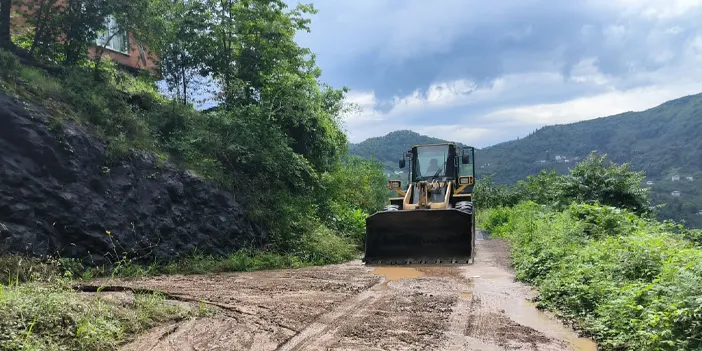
[(122, 48)]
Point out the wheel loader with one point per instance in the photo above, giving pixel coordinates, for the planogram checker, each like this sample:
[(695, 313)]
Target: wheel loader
[(431, 219)]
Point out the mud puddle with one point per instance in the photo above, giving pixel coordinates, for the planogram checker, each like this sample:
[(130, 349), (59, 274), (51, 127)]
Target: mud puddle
[(499, 315), (526, 313), (397, 273)]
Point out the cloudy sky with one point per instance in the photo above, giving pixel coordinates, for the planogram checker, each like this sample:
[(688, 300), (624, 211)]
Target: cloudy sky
[(483, 72)]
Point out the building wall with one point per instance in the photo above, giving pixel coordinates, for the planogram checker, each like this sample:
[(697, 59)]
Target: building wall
[(134, 60)]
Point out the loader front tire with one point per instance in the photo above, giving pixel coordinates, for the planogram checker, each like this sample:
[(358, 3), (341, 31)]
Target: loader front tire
[(465, 206)]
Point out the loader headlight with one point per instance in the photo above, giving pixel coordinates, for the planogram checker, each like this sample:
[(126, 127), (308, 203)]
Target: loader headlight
[(465, 180), (394, 184)]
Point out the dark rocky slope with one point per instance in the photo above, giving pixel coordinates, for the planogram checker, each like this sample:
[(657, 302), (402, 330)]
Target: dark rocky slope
[(57, 197)]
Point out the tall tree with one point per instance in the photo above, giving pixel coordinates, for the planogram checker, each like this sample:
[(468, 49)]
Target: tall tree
[(181, 55), (45, 17), (5, 11), (252, 53), (81, 22)]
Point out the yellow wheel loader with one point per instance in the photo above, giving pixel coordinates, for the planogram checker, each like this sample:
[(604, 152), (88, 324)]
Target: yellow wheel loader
[(432, 219)]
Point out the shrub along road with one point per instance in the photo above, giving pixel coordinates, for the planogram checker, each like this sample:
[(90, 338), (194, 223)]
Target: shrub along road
[(354, 307)]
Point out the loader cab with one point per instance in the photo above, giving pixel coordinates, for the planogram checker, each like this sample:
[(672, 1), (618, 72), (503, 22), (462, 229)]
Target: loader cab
[(447, 168), (443, 162), (433, 162)]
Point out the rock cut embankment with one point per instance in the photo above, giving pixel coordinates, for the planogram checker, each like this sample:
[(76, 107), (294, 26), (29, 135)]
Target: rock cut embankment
[(59, 197)]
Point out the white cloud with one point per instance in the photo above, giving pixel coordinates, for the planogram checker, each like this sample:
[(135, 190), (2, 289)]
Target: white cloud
[(615, 34), (505, 123), (586, 71), (364, 110), (594, 58), (665, 9), (585, 108)]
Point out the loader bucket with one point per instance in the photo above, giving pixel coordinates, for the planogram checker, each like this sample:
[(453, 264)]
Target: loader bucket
[(419, 236)]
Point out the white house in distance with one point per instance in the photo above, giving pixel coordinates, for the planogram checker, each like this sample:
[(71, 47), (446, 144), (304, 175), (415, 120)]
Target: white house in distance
[(690, 178), (675, 178), (675, 193), (650, 182)]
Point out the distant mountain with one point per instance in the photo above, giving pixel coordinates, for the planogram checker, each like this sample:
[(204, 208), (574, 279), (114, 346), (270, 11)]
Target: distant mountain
[(389, 149), (664, 141)]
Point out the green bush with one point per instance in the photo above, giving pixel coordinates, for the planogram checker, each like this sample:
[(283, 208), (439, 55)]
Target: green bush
[(10, 65), (285, 168), (591, 181), (629, 282), (54, 317)]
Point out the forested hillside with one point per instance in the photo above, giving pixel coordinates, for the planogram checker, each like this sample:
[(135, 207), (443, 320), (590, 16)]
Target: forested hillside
[(663, 141)]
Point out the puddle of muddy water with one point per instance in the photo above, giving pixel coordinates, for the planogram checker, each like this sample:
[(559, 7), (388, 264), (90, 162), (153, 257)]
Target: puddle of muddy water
[(526, 313), (397, 273)]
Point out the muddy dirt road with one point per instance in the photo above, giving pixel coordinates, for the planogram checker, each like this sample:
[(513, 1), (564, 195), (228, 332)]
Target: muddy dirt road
[(354, 307)]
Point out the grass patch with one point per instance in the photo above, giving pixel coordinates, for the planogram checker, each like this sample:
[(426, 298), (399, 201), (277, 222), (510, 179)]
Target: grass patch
[(633, 284), (38, 316), (322, 247), (16, 269), (39, 310)]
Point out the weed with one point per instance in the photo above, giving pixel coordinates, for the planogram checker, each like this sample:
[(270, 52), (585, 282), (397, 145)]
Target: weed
[(630, 282), (53, 317), (10, 65)]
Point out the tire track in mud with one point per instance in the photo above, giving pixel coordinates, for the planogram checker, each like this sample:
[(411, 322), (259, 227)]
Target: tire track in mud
[(318, 333), (477, 306)]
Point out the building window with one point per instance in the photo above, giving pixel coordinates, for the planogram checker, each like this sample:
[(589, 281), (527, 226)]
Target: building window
[(113, 38)]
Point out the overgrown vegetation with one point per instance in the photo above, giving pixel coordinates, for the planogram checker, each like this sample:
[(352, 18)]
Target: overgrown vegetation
[(40, 316), (275, 139), (589, 244), (324, 246), (633, 284), (39, 309), (590, 181), (661, 140)]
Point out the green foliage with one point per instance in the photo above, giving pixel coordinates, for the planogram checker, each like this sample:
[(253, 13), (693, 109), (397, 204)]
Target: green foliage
[(61, 32), (10, 65), (16, 269), (322, 246), (487, 194), (591, 181), (617, 185), (181, 55), (355, 189), (661, 141), (275, 140), (37, 316), (631, 282)]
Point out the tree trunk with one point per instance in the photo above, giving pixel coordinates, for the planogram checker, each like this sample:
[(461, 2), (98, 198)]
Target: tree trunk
[(185, 85), (5, 10)]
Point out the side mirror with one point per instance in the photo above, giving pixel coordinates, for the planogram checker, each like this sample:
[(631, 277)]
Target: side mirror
[(402, 163), (465, 159)]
